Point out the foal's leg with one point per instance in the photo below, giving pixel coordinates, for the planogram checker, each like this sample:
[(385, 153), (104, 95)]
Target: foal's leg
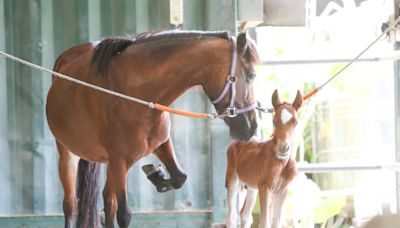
[(246, 218), (279, 199), (116, 189), (265, 200), (232, 187), (232, 184), (166, 154), (67, 168)]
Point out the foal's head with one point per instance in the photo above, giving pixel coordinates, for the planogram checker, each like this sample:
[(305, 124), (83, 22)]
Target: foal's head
[(285, 121), (244, 125)]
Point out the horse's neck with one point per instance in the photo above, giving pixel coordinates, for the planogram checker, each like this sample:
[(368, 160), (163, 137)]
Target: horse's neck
[(196, 66)]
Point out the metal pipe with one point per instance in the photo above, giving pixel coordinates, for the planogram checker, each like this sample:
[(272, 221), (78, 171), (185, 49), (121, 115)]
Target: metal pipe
[(334, 167), (395, 55)]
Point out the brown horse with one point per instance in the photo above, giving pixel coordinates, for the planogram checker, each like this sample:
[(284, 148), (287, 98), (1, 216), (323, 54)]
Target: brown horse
[(100, 128), (267, 167)]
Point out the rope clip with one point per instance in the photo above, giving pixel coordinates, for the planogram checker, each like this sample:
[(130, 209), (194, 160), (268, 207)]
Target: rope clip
[(231, 112)]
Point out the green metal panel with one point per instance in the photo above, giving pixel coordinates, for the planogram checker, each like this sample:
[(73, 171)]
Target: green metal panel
[(171, 219), (4, 149), (38, 31)]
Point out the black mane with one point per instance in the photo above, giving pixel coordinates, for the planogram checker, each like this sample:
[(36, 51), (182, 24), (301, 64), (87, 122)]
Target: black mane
[(110, 47)]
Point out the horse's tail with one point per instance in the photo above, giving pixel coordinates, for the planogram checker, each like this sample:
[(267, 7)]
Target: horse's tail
[(88, 192)]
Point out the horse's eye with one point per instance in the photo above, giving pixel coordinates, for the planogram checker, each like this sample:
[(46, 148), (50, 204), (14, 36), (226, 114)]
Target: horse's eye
[(251, 76)]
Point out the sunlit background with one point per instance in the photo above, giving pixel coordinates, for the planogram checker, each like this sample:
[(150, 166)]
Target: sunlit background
[(350, 121)]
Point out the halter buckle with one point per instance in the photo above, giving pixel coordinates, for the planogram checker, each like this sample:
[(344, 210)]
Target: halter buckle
[(231, 78), (231, 112)]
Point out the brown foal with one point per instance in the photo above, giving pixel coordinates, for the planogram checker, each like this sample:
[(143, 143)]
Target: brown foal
[(267, 167)]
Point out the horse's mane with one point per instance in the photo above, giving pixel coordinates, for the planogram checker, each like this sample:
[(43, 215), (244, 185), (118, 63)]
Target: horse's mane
[(110, 47)]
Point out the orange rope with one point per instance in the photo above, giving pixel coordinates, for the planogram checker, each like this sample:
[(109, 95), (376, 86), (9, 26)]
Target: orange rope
[(181, 112), (310, 94)]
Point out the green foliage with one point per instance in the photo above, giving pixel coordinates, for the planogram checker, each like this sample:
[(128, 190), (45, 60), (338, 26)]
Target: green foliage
[(328, 207)]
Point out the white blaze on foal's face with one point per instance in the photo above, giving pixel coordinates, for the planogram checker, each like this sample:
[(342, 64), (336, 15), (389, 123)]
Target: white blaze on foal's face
[(286, 116)]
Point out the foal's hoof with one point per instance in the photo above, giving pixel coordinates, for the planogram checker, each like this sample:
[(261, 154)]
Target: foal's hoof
[(157, 175)]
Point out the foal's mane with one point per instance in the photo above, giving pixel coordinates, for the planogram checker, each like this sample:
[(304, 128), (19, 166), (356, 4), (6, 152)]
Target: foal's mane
[(110, 47)]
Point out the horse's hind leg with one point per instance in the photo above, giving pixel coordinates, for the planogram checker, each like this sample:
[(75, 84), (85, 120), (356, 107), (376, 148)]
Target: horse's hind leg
[(110, 205), (116, 189), (67, 170), (166, 154)]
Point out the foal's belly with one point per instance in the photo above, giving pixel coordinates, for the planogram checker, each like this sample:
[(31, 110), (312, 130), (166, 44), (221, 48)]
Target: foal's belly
[(247, 171)]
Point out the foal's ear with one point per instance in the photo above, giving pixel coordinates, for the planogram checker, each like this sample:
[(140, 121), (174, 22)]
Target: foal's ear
[(276, 101), (298, 101), (242, 42)]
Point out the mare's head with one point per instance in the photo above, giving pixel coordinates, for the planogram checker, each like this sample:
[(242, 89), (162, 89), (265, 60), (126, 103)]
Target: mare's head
[(242, 120), (285, 121)]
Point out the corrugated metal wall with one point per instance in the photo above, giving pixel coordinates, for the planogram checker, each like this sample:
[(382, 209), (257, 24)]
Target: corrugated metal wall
[(38, 31)]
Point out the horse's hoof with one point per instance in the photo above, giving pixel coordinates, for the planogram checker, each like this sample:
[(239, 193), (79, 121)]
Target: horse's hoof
[(149, 169), (157, 175), (178, 181), (162, 189)]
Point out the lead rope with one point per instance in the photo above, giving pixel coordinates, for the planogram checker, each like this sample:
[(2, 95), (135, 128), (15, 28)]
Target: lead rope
[(113, 93)]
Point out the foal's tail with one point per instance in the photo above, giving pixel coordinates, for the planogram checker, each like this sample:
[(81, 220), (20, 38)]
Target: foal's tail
[(88, 192)]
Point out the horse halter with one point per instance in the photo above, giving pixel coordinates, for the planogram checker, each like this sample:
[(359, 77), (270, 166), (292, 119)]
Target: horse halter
[(231, 111)]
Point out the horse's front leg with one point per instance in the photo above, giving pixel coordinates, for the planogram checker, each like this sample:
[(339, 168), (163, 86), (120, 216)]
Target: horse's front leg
[(67, 170), (246, 217), (115, 190), (279, 199), (265, 199), (166, 154)]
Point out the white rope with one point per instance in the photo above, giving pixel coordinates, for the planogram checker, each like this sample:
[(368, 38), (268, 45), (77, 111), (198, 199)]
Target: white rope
[(390, 27), (82, 83)]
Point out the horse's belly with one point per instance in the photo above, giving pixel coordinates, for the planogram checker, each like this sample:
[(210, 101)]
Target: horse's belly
[(80, 144), (70, 129)]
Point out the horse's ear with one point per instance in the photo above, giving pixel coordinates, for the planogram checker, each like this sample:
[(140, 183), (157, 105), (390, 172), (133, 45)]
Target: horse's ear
[(276, 101), (298, 101), (242, 42)]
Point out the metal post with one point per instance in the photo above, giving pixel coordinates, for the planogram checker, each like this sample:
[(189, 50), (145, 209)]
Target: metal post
[(397, 109), (221, 15)]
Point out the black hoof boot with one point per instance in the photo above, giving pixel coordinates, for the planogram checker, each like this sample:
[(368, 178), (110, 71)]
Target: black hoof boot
[(179, 180), (157, 175)]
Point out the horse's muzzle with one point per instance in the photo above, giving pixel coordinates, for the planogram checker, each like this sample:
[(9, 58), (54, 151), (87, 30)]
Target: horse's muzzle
[(242, 127)]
